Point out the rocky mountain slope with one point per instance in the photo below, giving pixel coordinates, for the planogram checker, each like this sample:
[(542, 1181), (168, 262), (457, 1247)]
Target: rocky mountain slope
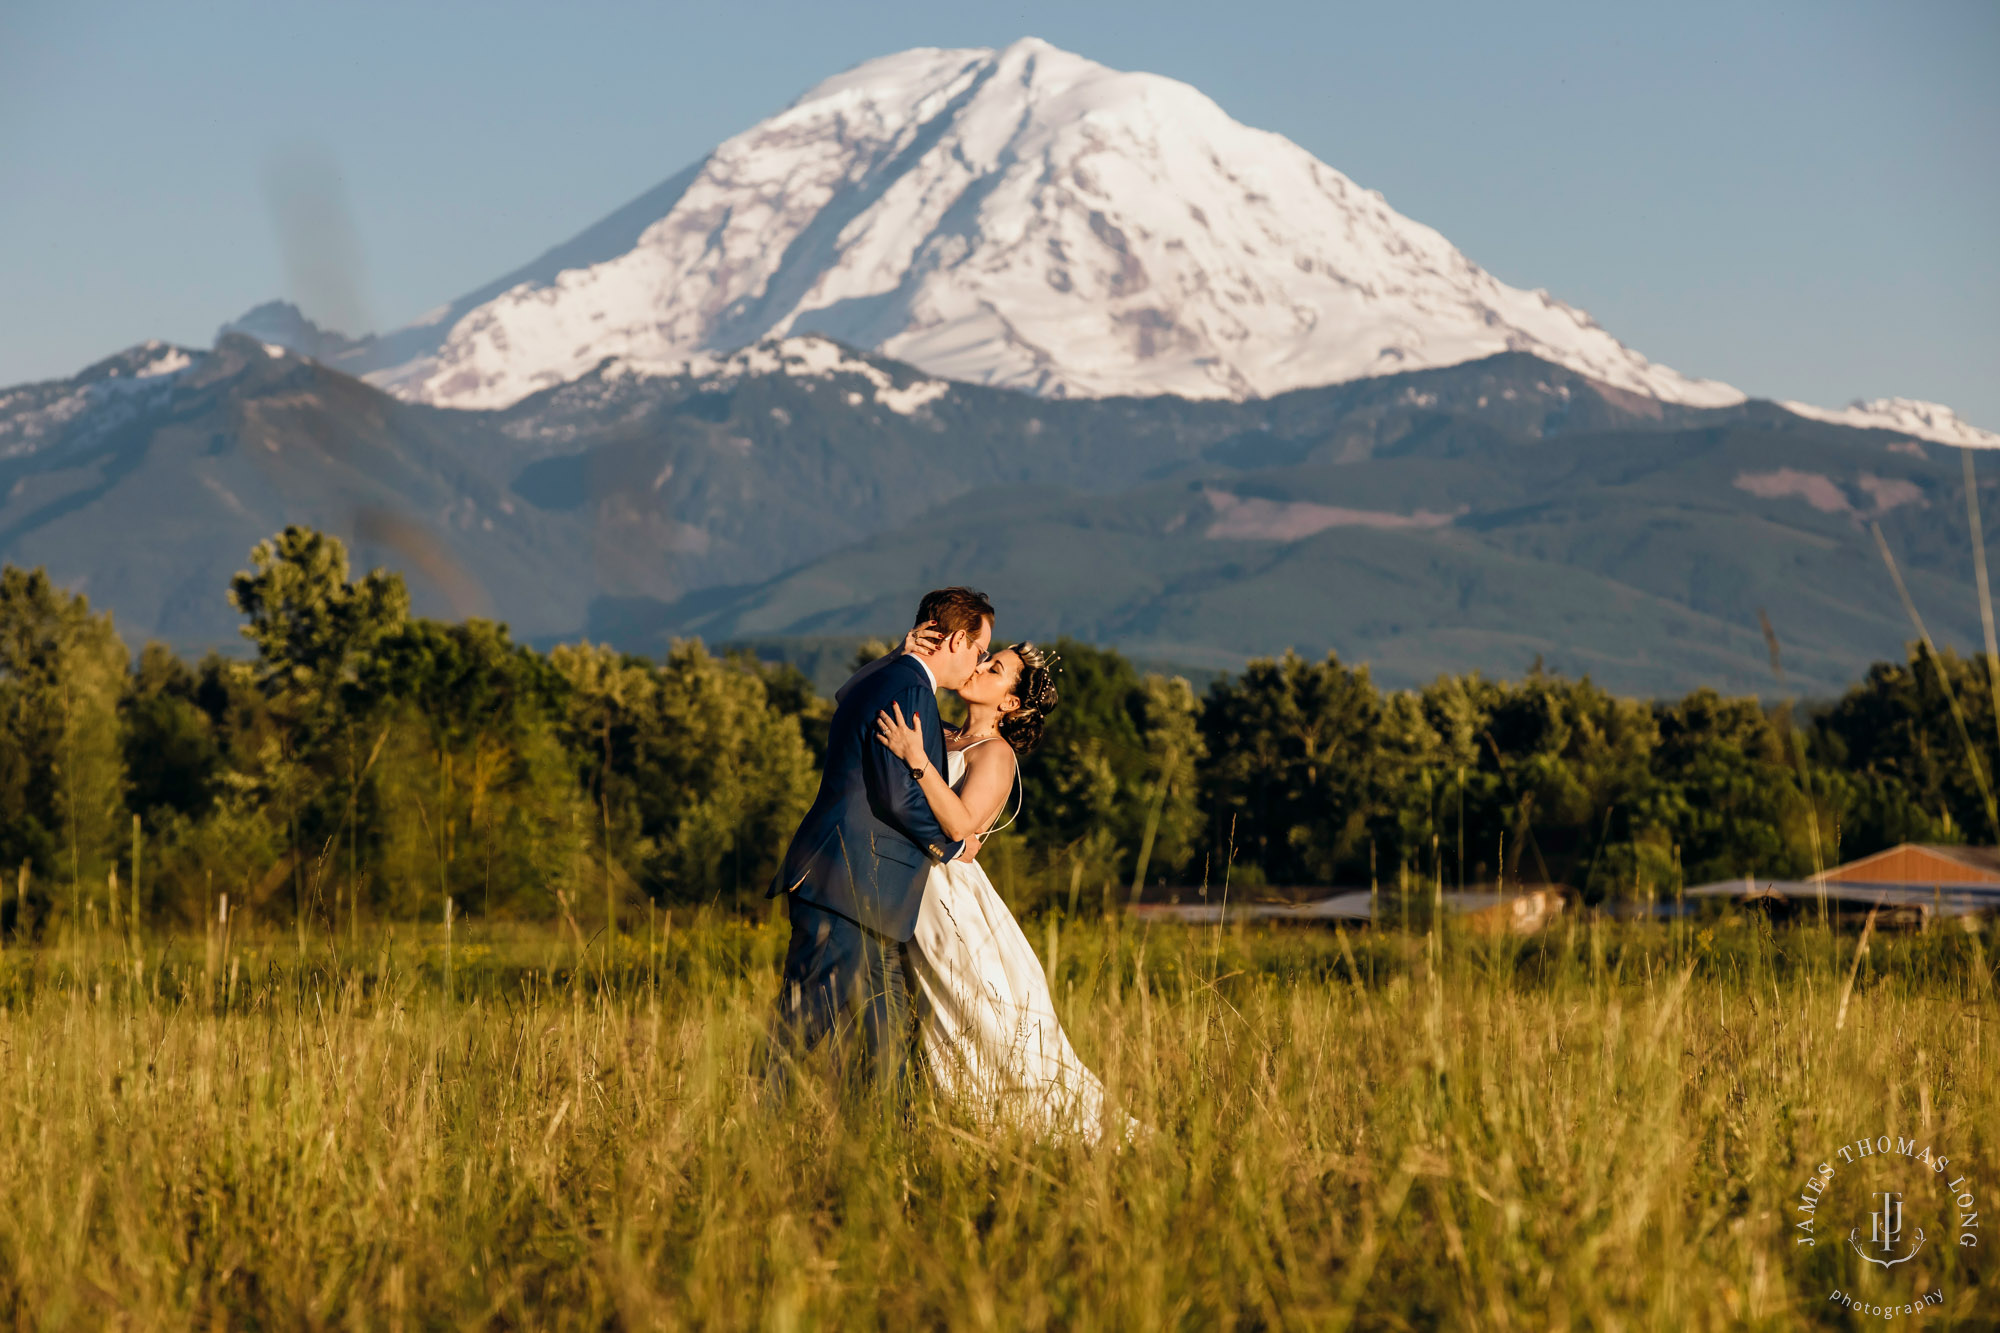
[(1473, 516), (1640, 557)]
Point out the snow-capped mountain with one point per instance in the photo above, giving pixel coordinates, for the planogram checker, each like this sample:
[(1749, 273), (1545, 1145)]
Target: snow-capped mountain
[(1023, 218), (100, 397), (1909, 416)]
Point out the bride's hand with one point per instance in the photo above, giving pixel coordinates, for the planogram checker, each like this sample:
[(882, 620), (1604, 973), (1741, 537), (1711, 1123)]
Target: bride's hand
[(905, 740), (923, 639)]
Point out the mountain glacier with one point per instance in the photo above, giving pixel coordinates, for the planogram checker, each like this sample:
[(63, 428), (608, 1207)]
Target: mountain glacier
[(1909, 416), (1023, 218)]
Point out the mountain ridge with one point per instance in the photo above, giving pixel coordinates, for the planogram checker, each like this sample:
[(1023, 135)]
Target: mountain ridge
[(1468, 517), (1639, 569)]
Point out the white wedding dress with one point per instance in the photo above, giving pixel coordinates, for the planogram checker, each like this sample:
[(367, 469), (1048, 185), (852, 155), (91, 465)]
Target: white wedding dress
[(988, 1026)]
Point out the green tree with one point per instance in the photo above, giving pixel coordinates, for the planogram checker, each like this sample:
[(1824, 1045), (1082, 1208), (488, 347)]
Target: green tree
[(1725, 791), (606, 712), (172, 755), (696, 777), (312, 625), (1297, 775), (1119, 755), (1565, 757), (791, 692), (459, 785), (314, 628), (62, 772), (726, 776), (1912, 776), (1170, 730), (200, 781)]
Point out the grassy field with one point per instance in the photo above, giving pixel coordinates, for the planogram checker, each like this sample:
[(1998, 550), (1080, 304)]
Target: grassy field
[(1607, 1126)]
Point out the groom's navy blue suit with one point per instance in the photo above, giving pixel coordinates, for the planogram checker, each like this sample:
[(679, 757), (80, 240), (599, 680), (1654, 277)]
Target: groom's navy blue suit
[(854, 876)]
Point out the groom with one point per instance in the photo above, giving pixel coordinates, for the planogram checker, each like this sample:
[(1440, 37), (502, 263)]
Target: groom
[(854, 874)]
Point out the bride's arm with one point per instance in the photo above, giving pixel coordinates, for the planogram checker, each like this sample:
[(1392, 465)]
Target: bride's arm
[(987, 784), (989, 778)]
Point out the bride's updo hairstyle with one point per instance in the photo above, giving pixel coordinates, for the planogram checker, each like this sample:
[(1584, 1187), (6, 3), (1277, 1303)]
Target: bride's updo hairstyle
[(1036, 689)]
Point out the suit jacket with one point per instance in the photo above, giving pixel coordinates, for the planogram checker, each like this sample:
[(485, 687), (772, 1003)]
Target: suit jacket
[(870, 839)]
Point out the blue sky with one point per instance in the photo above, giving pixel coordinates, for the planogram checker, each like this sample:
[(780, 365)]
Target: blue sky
[(1802, 199)]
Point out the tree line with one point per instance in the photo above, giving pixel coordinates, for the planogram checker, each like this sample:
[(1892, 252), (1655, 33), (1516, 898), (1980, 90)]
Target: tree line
[(369, 764)]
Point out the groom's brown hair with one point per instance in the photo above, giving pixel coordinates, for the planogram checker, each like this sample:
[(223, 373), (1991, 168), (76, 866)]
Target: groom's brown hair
[(956, 610)]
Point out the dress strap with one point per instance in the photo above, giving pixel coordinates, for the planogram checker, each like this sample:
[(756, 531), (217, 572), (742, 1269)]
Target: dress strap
[(1020, 798), (1020, 790)]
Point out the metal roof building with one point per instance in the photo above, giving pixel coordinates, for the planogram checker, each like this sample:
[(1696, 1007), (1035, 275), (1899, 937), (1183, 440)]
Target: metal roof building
[(1907, 885)]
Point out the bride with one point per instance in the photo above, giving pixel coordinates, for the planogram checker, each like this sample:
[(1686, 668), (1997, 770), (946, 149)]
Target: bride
[(989, 1031)]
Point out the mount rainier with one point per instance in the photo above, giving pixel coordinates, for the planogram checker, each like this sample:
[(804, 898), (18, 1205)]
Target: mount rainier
[(1030, 219), (1022, 218)]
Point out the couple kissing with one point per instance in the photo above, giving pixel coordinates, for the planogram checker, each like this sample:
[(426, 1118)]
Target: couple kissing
[(902, 953)]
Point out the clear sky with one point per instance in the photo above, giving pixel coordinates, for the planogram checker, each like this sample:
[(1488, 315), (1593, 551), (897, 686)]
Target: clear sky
[(1802, 199)]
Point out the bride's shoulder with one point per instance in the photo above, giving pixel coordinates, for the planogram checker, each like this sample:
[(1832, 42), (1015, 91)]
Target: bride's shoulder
[(991, 753)]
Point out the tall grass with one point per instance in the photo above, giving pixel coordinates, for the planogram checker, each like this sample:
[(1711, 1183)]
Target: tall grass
[(1605, 1126)]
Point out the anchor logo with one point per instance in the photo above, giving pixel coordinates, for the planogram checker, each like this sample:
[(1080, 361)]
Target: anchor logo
[(1885, 1229)]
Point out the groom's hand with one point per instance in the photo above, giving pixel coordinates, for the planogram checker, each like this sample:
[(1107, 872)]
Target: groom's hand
[(971, 852)]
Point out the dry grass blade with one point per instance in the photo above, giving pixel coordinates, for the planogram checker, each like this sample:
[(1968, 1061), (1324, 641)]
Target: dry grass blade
[(1985, 590), (1792, 745), (1860, 952), (1549, 1143), (1944, 682)]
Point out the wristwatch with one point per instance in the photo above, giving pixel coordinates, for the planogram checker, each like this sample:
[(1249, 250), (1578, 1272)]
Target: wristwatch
[(917, 773)]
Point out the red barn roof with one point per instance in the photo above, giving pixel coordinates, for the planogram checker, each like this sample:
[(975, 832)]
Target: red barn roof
[(1914, 863)]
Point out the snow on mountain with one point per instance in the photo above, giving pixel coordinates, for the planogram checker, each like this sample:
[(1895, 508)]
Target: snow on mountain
[(807, 357), (112, 390), (1910, 416), (1024, 218)]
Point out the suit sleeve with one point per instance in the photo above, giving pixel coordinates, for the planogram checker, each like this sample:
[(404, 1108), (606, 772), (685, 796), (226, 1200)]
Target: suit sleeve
[(840, 695), (894, 795)]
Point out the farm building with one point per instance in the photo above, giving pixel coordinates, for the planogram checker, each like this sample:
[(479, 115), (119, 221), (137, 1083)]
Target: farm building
[(1908, 885), (1521, 910)]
